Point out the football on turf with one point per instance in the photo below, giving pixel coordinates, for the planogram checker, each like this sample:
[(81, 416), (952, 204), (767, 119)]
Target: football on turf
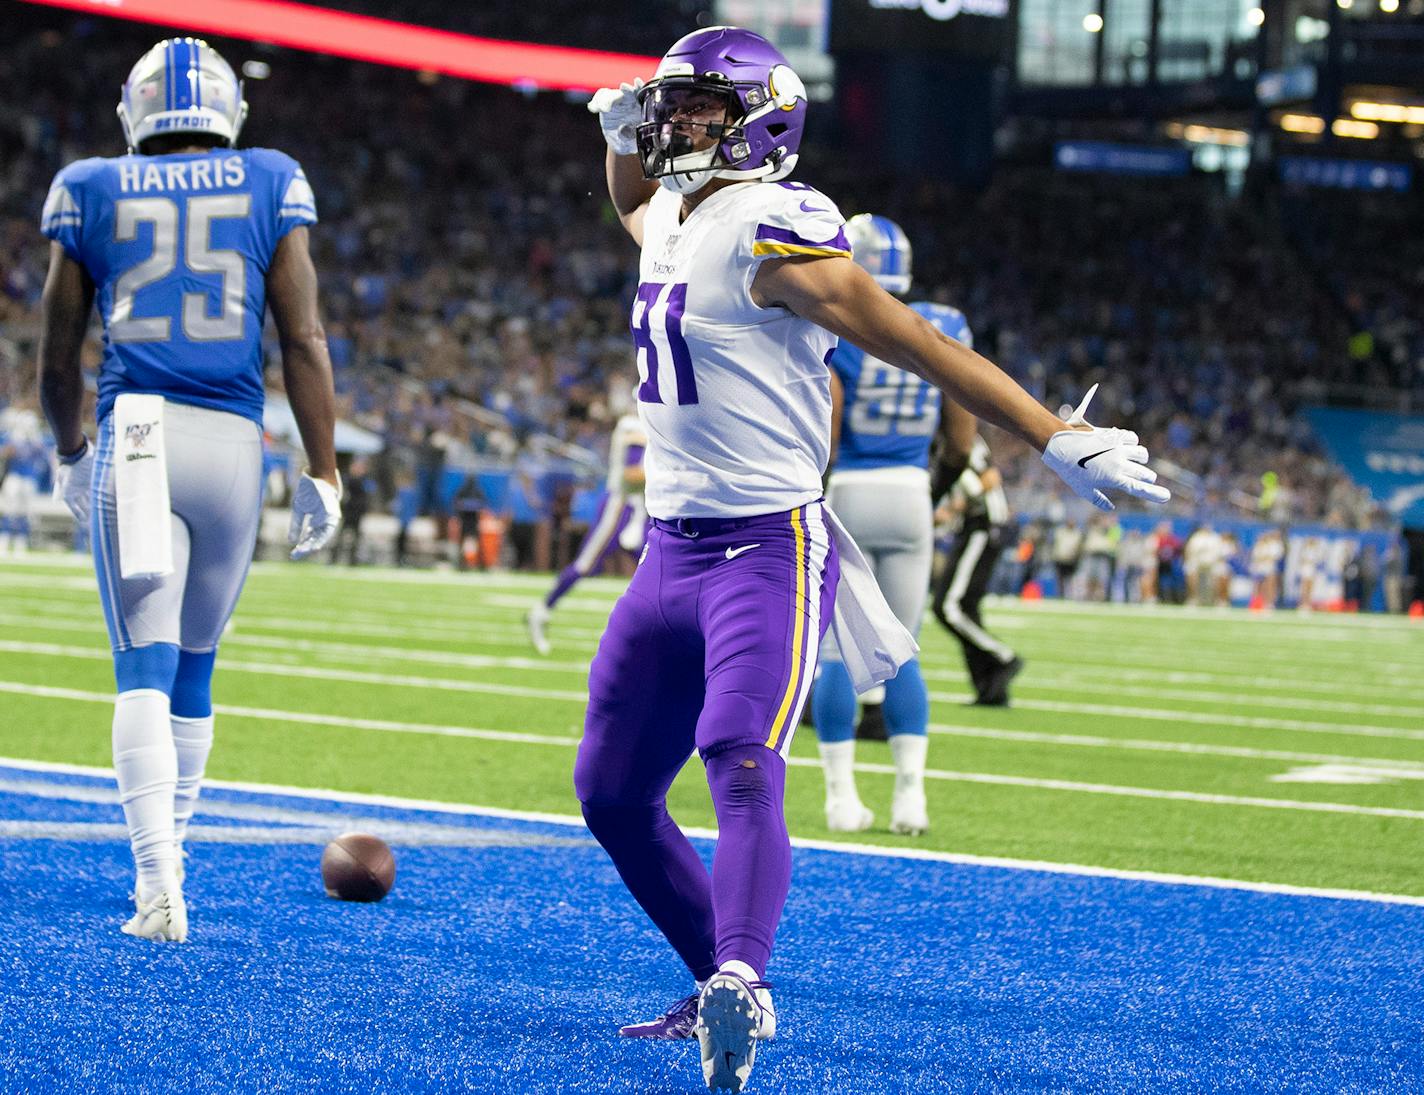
[(358, 867)]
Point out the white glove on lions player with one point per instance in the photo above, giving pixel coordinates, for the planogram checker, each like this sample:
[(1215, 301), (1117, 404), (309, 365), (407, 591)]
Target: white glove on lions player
[(71, 481), (1095, 460), (619, 114), (316, 515)]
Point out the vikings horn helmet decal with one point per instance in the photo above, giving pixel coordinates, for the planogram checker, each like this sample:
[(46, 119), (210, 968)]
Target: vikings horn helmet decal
[(723, 104)]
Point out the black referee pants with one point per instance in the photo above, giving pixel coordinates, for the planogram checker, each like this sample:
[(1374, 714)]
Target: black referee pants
[(956, 595)]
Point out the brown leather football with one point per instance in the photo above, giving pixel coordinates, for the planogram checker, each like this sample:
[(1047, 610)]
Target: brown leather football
[(358, 867)]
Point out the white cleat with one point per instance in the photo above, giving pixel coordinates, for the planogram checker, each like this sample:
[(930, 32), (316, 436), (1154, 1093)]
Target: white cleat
[(536, 619), (164, 919), (909, 814), (847, 814), (731, 1019)]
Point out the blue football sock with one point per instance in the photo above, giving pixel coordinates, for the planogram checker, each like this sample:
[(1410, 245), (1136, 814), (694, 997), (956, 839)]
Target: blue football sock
[(907, 701), (833, 703), (153, 666)]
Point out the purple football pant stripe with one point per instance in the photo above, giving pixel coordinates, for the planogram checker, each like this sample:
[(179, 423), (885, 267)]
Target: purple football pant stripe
[(699, 654)]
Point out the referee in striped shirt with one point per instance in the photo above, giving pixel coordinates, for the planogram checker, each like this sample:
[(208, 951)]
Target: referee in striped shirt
[(962, 582)]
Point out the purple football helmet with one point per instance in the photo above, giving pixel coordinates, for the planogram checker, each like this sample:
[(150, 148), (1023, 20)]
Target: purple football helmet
[(723, 104)]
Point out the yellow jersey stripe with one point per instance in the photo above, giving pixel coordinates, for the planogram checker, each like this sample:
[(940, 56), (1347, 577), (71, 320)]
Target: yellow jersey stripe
[(798, 634), (766, 247)]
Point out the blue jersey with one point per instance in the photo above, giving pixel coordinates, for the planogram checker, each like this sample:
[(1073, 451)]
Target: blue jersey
[(889, 416), (178, 247)]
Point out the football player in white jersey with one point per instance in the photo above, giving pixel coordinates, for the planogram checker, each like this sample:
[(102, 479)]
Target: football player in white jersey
[(621, 520), (746, 282)]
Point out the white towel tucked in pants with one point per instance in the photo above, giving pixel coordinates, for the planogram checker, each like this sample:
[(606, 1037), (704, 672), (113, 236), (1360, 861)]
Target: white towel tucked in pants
[(141, 487)]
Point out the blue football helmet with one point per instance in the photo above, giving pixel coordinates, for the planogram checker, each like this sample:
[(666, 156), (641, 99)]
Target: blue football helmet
[(881, 246), (181, 85)]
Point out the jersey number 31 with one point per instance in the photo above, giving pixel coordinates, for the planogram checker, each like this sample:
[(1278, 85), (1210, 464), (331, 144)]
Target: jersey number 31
[(657, 337)]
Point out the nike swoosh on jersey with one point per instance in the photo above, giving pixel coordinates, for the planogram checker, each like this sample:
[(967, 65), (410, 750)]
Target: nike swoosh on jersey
[(812, 208), (732, 553), (1083, 463)]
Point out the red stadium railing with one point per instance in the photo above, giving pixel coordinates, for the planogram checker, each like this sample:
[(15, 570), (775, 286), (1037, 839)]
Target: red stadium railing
[(383, 41)]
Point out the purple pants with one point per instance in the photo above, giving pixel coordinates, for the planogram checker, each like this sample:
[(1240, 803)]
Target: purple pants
[(712, 648)]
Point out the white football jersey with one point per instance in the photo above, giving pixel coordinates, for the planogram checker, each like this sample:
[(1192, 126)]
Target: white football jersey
[(735, 398)]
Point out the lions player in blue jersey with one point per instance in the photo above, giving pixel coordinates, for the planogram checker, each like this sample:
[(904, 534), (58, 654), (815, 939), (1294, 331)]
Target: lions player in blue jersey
[(183, 242), (883, 421)]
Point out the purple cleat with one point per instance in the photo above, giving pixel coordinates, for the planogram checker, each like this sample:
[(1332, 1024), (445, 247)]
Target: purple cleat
[(674, 1024)]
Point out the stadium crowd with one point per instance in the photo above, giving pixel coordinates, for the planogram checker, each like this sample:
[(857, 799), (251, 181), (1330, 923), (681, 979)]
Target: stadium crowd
[(473, 273)]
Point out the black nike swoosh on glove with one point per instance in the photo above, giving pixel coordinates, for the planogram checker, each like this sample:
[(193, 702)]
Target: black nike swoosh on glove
[(1083, 463)]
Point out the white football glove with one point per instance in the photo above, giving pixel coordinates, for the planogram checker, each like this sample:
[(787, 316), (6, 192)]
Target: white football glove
[(316, 515), (619, 114), (71, 483), (1095, 460)]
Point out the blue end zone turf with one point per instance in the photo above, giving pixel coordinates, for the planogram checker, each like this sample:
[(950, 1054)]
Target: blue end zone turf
[(508, 954)]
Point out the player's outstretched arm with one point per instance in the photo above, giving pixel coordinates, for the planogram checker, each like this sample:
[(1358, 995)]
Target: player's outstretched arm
[(840, 296), (68, 297), (306, 370)]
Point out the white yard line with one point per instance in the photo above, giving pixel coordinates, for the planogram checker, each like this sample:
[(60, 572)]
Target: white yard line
[(1258, 686), (474, 626), (1150, 745), (945, 729), (27, 567), (994, 779), (837, 847), (571, 696), (1202, 718), (1255, 692)]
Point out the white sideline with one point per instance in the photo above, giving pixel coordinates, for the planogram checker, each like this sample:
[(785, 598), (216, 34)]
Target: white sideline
[(999, 862), (992, 779)]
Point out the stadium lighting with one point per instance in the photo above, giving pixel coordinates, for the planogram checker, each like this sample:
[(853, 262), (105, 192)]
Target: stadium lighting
[(1402, 113), (381, 41), (1389, 6), (1345, 5), (1093, 23), (1348, 127), (1206, 134), (1257, 16), (1302, 123)]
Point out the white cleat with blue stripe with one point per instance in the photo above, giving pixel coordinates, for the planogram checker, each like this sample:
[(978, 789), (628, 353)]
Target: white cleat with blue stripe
[(732, 1016)]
